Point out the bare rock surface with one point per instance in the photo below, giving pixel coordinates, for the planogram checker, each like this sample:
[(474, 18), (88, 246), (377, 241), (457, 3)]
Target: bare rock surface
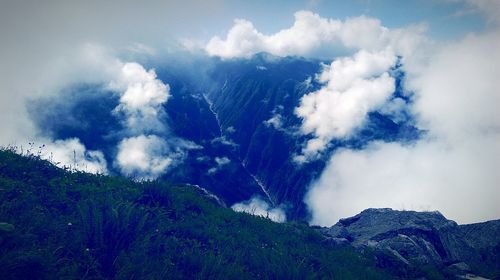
[(423, 238)]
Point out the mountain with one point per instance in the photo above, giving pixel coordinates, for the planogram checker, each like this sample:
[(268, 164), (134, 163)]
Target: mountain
[(417, 239), (241, 115), (247, 94), (250, 105)]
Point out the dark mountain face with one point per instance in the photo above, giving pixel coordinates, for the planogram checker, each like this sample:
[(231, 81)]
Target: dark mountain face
[(241, 115), (248, 94), (245, 95)]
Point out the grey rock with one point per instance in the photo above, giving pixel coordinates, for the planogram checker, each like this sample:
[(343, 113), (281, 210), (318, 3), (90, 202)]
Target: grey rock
[(422, 238)]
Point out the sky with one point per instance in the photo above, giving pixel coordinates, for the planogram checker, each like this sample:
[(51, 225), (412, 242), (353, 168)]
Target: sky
[(448, 49)]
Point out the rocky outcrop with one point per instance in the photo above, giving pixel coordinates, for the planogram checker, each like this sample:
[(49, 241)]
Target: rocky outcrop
[(423, 239)]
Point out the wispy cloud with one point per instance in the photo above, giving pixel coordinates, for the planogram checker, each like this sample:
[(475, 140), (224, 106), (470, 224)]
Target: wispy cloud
[(259, 207), (146, 157), (220, 163), (72, 154)]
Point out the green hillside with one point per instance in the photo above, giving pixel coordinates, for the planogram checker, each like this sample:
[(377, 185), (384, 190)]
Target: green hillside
[(57, 224)]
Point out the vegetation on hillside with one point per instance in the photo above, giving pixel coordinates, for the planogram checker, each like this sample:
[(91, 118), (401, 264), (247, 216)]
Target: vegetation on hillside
[(62, 224)]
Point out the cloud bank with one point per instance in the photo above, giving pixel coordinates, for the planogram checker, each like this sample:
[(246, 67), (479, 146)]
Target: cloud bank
[(453, 169), (353, 87), (309, 32)]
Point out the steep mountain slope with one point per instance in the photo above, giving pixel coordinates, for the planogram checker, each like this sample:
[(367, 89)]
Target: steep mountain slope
[(245, 96), (57, 224), (86, 112), (239, 114), (255, 101)]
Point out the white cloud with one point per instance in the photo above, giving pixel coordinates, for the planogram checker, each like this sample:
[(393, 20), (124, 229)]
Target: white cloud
[(25, 81), (146, 157), (143, 89), (258, 207), (212, 170), (224, 141), (275, 121), (428, 176), (353, 86), (142, 96), (73, 154), (222, 161), (458, 93), (453, 169), (309, 32), (395, 109)]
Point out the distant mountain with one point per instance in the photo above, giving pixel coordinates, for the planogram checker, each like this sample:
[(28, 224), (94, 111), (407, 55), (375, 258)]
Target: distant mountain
[(239, 112), (419, 239), (255, 100)]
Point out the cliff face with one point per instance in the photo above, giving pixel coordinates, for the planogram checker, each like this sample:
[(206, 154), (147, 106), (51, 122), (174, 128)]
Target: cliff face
[(240, 116), (246, 95), (423, 238), (255, 101)]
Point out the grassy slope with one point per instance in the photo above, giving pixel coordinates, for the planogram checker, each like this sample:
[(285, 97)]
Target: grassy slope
[(81, 226)]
